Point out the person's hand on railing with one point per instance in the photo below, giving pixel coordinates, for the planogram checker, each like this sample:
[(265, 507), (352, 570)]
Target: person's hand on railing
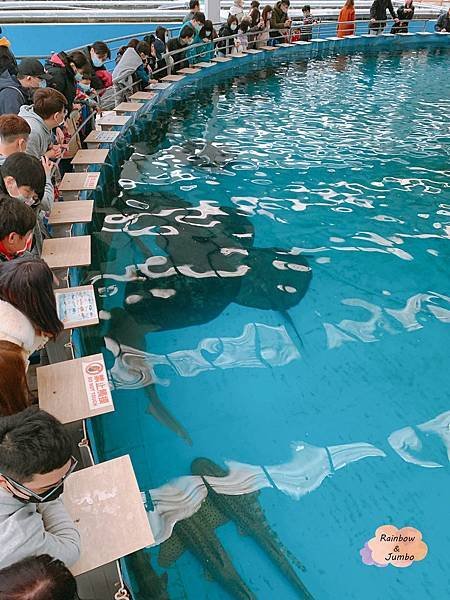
[(55, 152), (48, 165)]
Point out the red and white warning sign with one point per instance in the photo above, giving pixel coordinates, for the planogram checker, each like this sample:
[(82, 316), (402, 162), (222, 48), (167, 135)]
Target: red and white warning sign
[(97, 384)]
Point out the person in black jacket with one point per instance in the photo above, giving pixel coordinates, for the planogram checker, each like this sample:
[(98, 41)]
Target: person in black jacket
[(97, 55), (62, 72), (405, 14), (443, 22), (378, 16), (181, 43), (228, 29)]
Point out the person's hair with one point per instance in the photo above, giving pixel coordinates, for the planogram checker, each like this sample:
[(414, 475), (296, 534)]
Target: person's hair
[(160, 33), (32, 442), (78, 59), (37, 578), (25, 170), (266, 10), (351, 3), (305, 8), (244, 25), (15, 217), (232, 19), (12, 128), (47, 102), (187, 31), (254, 4), (101, 49), (193, 4), (208, 26), (286, 2), (143, 48), (133, 43), (14, 392), (200, 18), (27, 284)]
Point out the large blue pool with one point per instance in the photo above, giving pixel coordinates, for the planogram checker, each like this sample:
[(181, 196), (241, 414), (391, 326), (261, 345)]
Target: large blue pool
[(274, 287)]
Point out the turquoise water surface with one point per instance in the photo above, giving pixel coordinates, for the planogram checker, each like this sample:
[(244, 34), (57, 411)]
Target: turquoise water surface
[(275, 300)]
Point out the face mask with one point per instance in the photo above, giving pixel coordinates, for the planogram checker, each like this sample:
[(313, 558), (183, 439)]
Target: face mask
[(96, 61), (269, 15), (42, 83), (27, 246), (78, 76), (25, 200), (52, 495), (208, 34), (166, 37), (233, 27), (191, 41), (85, 87)]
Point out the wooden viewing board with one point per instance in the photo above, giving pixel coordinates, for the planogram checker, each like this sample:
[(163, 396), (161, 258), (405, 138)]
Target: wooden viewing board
[(60, 253), (74, 183), (205, 65), (221, 59), (158, 86), (127, 107), (105, 503), (173, 77), (73, 390), (268, 47), (142, 96), (107, 122), (101, 137), (252, 51), (189, 71), (76, 306), (90, 157), (64, 213), (239, 55)]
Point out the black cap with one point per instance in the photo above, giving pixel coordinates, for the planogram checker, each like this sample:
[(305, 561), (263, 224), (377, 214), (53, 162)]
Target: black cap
[(31, 67)]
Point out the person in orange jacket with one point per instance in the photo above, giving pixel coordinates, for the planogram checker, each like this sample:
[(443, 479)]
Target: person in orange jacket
[(347, 14)]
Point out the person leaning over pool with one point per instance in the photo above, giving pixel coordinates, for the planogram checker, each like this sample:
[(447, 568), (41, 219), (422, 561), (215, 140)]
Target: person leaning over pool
[(28, 315), (37, 578), (280, 21), (228, 30), (405, 14), (180, 44), (443, 22), (378, 16), (35, 460)]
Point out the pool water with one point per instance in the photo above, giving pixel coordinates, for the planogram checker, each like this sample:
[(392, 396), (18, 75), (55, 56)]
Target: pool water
[(275, 301)]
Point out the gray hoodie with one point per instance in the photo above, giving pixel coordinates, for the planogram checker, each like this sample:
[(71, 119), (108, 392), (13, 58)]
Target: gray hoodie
[(34, 529), (12, 94), (40, 138), (128, 64)]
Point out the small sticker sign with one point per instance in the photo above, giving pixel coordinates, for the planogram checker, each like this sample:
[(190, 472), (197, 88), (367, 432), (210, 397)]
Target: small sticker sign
[(96, 384), (392, 546), (76, 306)]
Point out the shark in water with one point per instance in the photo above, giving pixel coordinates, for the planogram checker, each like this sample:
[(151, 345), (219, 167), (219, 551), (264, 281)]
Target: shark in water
[(149, 585), (196, 534), (246, 512)]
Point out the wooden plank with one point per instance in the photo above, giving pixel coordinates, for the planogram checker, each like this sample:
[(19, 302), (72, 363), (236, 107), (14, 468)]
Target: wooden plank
[(102, 137), (270, 48), (71, 212), (76, 306), (105, 503), (286, 45), (60, 253), (159, 86), (142, 96), (173, 77), (90, 157), (252, 51), (76, 182), (221, 59), (63, 391), (127, 107), (189, 71), (113, 120), (205, 65)]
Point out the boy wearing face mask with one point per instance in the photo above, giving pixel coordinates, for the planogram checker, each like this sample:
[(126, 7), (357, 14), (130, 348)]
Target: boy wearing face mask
[(197, 23), (180, 45), (35, 460), (17, 90), (48, 112), (14, 134), (207, 35), (17, 222)]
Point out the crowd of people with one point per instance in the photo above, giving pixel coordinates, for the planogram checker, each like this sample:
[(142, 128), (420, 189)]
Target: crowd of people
[(38, 539)]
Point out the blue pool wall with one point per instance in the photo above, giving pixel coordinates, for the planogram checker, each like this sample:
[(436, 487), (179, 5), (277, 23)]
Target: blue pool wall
[(44, 39), (323, 48)]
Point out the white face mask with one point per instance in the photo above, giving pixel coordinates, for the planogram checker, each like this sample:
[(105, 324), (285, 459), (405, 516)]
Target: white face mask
[(233, 27), (166, 37)]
